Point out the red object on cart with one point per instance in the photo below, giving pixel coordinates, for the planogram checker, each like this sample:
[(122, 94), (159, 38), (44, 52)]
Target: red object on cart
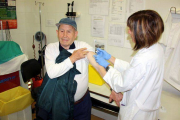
[(9, 81), (37, 82)]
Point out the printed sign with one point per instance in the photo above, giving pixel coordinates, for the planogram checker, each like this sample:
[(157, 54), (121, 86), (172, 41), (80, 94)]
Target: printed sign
[(9, 81), (8, 14)]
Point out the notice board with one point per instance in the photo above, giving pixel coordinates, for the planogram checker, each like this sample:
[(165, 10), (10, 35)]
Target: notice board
[(8, 14)]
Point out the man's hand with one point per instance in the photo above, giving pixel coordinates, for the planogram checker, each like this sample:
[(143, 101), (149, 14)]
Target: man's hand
[(103, 54), (101, 61), (78, 54), (117, 97)]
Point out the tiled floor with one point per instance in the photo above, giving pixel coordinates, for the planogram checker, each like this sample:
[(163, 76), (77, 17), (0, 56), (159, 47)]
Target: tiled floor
[(92, 116)]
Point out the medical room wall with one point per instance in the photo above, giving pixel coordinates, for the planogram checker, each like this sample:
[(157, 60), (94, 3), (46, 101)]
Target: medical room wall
[(54, 10)]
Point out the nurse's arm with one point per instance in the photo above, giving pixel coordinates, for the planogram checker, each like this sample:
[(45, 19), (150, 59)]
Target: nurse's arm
[(112, 60), (117, 97), (98, 68)]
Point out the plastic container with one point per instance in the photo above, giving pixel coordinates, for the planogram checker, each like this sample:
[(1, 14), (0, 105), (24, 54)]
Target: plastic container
[(14, 100), (94, 76), (25, 114)]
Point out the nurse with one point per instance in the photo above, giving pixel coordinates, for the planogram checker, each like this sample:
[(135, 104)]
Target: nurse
[(141, 79)]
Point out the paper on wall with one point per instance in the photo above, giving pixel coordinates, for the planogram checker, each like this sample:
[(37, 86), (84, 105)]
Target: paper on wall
[(99, 44), (98, 26), (134, 6), (118, 10), (99, 7), (116, 35)]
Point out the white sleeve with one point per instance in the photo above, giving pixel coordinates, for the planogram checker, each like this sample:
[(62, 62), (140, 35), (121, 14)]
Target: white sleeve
[(124, 81), (89, 48), (121, 65), (55, 69)]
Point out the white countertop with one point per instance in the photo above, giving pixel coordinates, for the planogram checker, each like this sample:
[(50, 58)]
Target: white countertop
[(170, 103), (104, 90)]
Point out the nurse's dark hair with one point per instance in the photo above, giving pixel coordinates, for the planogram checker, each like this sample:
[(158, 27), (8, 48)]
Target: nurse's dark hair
[(146, 27)]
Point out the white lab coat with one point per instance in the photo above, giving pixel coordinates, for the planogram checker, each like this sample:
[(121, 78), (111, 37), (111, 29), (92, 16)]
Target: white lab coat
[(141, 82), (172, 54)]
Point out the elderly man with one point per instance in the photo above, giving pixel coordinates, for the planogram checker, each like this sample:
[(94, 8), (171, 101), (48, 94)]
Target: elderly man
[(75, 56)]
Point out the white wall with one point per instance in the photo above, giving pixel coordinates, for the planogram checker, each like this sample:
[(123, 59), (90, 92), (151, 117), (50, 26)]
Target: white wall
[(28, 24)]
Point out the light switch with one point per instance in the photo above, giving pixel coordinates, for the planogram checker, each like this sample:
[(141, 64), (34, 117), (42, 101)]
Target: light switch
[(50, 23)]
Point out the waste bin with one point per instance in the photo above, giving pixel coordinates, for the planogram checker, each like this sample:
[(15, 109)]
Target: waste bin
[(94, 76), (15, 100)]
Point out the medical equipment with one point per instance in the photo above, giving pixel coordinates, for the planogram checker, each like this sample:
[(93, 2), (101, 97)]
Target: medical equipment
[(94, 76), (41, 51), (68, 13), (41, 35), (71, 14), (33, 46)]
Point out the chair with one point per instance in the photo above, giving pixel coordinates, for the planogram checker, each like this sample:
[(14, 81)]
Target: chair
[(31, 69)]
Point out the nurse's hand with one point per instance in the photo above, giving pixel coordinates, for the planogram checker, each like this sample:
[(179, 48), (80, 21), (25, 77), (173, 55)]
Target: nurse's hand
[(117, 97), (78, 54), (101, 61), (103, 54)]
